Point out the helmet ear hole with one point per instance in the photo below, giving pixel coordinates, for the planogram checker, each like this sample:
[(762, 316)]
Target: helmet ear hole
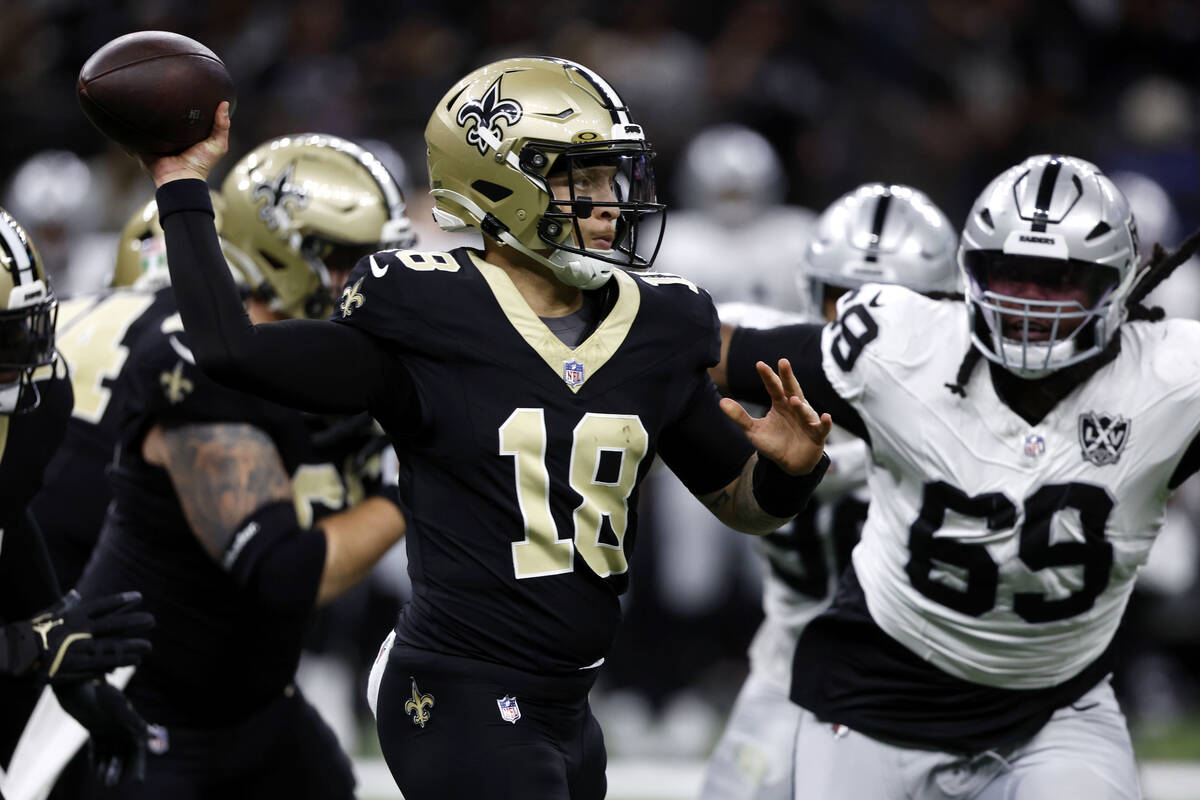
[(492, 191)]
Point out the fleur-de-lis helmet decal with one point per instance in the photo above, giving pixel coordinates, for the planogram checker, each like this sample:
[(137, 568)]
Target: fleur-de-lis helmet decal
[(482, 117)]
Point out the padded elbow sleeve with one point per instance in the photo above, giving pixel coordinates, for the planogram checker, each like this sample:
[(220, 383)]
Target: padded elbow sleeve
[(275, 560)]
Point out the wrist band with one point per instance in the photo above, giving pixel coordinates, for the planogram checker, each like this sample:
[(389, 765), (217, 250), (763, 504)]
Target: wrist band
[(782, 495)]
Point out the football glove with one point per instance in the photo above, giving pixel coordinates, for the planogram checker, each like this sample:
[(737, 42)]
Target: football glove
[(118, 734), (76, 639)]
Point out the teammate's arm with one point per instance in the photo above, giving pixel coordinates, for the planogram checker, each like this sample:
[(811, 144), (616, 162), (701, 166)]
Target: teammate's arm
[(237, 498), (312, 365)]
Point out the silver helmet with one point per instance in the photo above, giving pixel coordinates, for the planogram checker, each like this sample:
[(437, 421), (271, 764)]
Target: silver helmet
[(1058, 223), (880, 234), (732, 172)]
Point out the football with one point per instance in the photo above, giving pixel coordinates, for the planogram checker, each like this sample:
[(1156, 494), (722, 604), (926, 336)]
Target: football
[(154, 91)]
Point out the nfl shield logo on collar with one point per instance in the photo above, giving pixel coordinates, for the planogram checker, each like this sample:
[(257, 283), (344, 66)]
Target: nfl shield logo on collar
[(573, 373), (1034, 445), (509, 710)]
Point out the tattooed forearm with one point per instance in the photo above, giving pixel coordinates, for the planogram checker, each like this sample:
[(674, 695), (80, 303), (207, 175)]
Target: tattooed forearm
[(223, 473), (736, 507)]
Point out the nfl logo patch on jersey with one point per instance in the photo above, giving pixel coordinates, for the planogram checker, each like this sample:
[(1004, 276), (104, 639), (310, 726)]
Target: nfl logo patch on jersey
[(573, 373), (1102, 437), (509, 710), (1034, 445)]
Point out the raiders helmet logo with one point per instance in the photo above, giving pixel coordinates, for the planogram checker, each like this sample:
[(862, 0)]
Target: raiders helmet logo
[(1102, 437), (482, 118)]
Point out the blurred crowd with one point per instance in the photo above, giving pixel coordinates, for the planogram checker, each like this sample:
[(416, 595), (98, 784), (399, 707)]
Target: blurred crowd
[(759, 110)]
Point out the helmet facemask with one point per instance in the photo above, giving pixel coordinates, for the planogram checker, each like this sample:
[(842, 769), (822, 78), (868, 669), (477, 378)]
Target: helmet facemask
[(26, 343), (1032, 336), (620, 179)]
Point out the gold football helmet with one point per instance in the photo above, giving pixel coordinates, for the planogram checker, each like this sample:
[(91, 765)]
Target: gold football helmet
[(498, 134), (27, 314), (302, 206), (142, 251)]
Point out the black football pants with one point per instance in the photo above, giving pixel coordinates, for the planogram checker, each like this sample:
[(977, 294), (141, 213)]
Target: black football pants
[(489, 733)]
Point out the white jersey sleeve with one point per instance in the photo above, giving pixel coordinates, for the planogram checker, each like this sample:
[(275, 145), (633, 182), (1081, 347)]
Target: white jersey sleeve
[(1000, 551)]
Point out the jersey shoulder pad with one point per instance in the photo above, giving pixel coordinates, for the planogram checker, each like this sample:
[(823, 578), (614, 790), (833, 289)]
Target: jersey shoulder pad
[(388, 292), (676, 296), (888, 327), (1171, 345), (682, 309), (164, 382)]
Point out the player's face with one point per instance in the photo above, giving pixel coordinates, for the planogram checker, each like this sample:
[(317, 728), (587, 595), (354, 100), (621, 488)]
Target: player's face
[(598, 185), (1070, 297)]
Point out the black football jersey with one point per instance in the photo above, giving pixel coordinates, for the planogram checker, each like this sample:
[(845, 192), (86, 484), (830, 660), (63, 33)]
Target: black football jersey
[(216, 657), (522, 471), (94, 333), (29, 440)]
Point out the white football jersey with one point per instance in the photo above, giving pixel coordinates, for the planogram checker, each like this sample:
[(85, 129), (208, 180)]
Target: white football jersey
[(1003, 552)]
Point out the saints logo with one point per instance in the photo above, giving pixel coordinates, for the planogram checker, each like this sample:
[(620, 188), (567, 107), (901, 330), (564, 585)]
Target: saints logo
[(482, 118), (351, 298), (418, 707), (279, 193), (175, 386)]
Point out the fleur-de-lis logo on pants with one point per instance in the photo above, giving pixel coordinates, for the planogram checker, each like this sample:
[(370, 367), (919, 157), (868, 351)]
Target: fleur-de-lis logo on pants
[(482, 117), (418, 707), (351, 298)]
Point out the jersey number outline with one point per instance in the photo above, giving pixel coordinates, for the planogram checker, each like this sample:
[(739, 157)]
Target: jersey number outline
[(596, 439), (849, 341), (979, 572), (89, 337)]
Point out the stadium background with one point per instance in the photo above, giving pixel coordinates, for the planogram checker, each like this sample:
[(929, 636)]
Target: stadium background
[(940, 94)]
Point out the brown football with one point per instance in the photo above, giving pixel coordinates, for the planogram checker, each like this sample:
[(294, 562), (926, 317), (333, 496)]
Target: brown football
[(154, 91)]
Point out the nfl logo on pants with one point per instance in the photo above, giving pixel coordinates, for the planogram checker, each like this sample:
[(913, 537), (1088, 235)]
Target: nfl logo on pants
[(509, 710)]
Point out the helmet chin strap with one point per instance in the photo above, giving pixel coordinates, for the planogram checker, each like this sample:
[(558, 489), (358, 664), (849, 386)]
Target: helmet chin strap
[(573, 269)]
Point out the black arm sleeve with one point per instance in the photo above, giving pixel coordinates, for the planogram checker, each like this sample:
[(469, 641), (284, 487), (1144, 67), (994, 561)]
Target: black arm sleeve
[(801, 345), (1188, 465), (313, 365), (703, 447), (27, 579)]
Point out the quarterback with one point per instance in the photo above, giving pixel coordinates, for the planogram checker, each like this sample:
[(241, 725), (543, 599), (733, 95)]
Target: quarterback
[(968, 649), (528, 387)]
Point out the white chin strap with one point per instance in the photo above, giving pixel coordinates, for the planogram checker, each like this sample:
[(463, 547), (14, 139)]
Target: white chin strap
[(9, 394), (573, 269)]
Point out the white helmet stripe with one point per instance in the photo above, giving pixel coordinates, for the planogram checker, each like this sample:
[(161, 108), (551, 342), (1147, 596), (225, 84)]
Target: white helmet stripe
[(22, 266)]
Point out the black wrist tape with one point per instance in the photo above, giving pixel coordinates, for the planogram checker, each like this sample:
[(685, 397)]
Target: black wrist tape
[(782, 495), (279, 562)]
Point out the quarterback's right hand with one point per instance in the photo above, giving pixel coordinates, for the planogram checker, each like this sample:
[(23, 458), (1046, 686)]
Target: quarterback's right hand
[(76, 639), (195, 162)]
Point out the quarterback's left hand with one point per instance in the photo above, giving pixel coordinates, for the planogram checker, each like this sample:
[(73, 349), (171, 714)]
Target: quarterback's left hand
[(119, 735), (791, 434)]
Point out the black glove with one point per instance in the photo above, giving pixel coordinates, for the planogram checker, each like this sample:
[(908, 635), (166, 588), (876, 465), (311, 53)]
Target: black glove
[(76, 639), (119, 735)]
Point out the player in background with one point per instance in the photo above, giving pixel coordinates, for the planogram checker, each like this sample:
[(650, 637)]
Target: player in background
[(222, 503), (45, 636), (877, 233), (528, 387), (967, 652)]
